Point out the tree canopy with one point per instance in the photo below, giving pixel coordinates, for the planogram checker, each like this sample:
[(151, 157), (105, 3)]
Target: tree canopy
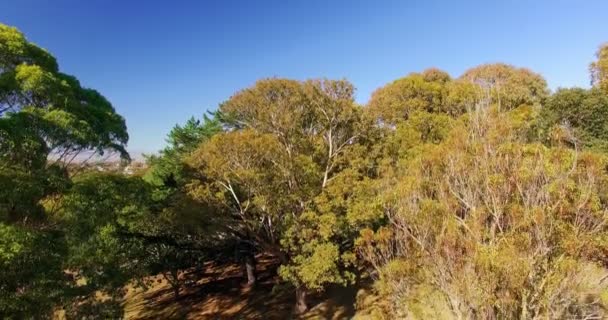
[(483, 224), (46, 120), (476, 197), (434, 90)]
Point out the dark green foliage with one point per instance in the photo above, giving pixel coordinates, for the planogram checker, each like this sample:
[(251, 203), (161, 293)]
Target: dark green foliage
[(99, 212), (167, 169), (31, 282), (119, 230), (68, 117), (46, 120), (584, 111)]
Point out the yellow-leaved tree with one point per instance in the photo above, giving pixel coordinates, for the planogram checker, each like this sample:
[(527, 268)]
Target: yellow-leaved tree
[(483, 224), (599, 68), (289, 145)]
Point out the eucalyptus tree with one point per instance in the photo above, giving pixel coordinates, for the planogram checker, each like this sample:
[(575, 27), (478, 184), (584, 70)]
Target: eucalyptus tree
[(507, 86), (432, 91), (483, 224), (287, 142)]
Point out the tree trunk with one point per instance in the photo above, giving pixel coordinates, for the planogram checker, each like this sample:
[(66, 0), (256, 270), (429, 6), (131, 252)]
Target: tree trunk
[(176, 291), (301, 305), (250, 269), (283, 257), (173, 279), (245, 255)]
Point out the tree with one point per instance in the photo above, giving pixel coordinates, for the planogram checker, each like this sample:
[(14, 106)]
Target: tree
[(240, 171), (584, 111), (432, 90), (286, 144), (68, 118), (168, 167), (188, 228), (31, 282), (599, 69), (119, 230), (99, 213), (485, 225), (46, 120), (398, 99), (507, 86)]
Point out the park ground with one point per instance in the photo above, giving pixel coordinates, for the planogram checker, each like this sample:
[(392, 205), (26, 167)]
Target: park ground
[(218, 291)]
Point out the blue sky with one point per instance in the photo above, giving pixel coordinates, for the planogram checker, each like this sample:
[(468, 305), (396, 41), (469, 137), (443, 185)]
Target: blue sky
[(160, 62)]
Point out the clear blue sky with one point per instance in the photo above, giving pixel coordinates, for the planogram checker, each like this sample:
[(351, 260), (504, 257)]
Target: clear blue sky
[(160, 62)]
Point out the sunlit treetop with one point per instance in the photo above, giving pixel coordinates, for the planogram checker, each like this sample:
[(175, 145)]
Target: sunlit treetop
[(436, 75), (508, 86), (433, 90), (599, 68), (62, 116)]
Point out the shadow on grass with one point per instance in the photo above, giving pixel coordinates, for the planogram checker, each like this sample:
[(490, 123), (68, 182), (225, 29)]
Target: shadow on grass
[(218, 292)]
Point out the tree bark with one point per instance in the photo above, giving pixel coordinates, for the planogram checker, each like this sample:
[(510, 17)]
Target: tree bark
[(245, 255), (250, 269), (301, 305)]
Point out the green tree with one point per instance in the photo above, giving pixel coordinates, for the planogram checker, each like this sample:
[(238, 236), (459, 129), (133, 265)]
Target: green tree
[(31, 281), (100, 212), (167, 168), (67, 117), (189, 229), (583, 112), (46, 121), (119, 230)]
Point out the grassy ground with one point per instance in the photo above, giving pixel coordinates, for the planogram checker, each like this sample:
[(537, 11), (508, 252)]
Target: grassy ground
[(218, 292)]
